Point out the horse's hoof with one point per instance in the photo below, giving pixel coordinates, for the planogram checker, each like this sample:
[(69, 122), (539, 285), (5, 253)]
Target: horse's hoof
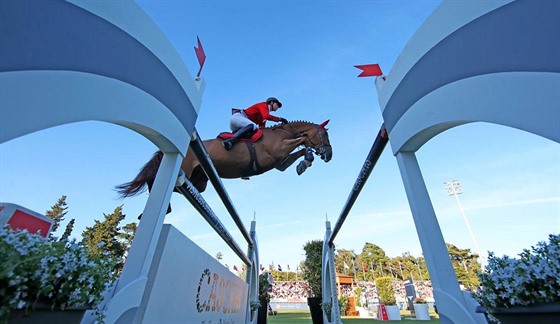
[(301, 167)]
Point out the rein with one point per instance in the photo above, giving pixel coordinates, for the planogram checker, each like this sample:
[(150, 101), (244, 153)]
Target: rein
[(297, 134)]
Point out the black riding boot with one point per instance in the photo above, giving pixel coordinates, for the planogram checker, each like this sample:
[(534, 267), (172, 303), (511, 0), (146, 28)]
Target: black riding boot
[(245, 131)]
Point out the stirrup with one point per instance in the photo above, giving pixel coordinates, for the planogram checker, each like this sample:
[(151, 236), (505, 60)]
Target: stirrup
[(228, 145)]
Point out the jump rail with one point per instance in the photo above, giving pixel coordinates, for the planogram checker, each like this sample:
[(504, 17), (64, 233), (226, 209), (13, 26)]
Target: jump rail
[(372, 158), (328, 271), (204, 159), (186, 188)]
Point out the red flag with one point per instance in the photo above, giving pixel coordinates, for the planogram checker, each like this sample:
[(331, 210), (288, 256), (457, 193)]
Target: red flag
[(369, 70), (200, 55), (235, 268)]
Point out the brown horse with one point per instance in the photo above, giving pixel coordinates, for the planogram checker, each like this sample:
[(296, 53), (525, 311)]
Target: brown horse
[(273, 150)]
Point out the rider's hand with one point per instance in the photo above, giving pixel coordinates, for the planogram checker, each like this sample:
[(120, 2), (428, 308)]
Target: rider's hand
[(283, 120)]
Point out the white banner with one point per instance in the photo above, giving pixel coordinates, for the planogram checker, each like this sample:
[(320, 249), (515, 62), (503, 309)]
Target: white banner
[(187, 285)]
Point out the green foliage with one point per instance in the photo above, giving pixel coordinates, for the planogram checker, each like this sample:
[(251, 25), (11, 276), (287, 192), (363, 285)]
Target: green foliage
[(60, 274), (531, 278), (68, 231), (127, 234), (265, 286), (106, 238), (343, 303), (374, 259), (385, 290), (465, 265), (57, 213), (358, 295), (311, 267)]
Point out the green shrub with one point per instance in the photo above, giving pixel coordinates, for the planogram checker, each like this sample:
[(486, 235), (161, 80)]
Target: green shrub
[(385, 290), (312, 266)]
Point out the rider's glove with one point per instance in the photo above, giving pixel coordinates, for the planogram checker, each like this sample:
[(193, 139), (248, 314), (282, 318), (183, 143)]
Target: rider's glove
[(283, 120)]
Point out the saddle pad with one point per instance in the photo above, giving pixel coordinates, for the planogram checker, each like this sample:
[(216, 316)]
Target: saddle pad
[(255, 137)]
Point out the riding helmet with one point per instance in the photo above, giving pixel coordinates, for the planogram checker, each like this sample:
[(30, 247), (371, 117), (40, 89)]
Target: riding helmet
[(271, 99)]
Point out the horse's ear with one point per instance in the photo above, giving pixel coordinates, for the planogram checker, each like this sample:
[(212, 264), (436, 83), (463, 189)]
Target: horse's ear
[(323, 124)]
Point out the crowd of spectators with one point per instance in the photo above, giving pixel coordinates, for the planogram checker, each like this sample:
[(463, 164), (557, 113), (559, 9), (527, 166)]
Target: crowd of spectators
[(291, 290), (299, 290)]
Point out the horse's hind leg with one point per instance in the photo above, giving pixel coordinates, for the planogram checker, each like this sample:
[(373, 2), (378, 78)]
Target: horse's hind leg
[(199, 179)]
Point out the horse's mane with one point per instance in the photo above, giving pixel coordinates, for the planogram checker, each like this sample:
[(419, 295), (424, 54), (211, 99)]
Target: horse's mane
[(290, 122)]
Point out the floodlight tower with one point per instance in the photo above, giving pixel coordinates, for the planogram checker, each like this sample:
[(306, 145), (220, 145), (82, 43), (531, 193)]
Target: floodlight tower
[(453, 188)]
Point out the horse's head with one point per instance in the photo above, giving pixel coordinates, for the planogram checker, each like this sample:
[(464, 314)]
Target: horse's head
[(317, 138)]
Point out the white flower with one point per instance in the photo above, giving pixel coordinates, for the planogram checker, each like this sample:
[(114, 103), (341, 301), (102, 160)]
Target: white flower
[(61, 274), (532, 278)]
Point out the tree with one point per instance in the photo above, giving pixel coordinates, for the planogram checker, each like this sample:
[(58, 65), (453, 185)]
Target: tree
[(57, 213), (68, 231), (385, 289), (343, 259), (466, 265), (312, 266), (127, 235), (373, 258), (103, 238)]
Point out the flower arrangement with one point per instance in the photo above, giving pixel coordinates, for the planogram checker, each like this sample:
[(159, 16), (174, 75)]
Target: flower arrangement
[(265, 286), (255, 304), (419, 300), (532, 278), (59, 274)]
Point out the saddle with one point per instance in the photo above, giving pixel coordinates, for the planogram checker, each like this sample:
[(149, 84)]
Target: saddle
[(254, 167), (255, 137)]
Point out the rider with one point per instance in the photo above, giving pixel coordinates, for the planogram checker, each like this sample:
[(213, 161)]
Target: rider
[(244, 122)]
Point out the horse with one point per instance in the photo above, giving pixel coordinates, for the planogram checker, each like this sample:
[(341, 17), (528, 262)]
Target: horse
[(272, 151)]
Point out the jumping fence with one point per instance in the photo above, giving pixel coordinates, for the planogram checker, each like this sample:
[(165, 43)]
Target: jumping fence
[(330, 290)]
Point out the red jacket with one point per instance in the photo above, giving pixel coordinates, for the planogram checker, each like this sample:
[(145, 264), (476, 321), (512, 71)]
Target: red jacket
[(259, 114)]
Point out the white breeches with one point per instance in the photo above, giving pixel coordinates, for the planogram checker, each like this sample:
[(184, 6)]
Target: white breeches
[(239, 120)]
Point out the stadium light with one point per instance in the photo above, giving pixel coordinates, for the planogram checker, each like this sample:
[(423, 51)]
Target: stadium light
[(453, 188)]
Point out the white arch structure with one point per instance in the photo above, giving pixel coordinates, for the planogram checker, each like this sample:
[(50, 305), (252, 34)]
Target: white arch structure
[(69, 61), (471, 61)]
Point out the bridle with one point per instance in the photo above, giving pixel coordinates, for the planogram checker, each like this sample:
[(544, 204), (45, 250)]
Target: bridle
[(318, 150)]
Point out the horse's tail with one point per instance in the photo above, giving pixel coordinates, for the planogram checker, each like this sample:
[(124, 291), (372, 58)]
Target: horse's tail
[(145, 177)]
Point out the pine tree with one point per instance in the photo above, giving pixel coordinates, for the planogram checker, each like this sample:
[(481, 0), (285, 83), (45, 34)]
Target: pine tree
[(57, 213), (104, 238), (68, 231), (127, 235)]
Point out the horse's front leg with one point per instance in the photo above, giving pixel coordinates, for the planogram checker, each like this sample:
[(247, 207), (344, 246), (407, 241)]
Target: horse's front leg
[(290, 144), (306, 163), (289, 160)]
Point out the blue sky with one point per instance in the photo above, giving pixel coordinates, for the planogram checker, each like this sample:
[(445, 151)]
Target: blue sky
[(302, 52)]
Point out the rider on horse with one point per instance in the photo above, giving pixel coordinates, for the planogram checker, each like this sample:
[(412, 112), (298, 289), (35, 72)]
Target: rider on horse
[(245, 122)]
